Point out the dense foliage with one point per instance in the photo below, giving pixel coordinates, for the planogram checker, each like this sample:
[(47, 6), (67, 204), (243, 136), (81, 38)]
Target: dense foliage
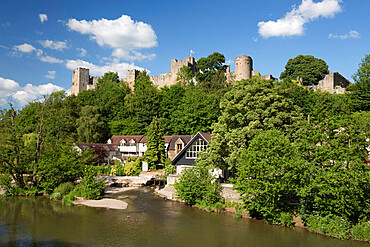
[(197, 185), (310, 69), (291, 151)]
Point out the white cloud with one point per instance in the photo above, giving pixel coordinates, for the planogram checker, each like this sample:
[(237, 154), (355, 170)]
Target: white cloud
[(352, 34), (97, 70), (25, 48), (55, 45), (82, 52), (122, 34), (5, 47), (49, 59), (292, 24), (43, 17), (51, 75), (131, 56), (10, 89), (31, 92)]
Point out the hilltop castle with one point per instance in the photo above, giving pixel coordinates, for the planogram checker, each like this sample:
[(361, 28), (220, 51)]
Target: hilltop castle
[(81, 80)]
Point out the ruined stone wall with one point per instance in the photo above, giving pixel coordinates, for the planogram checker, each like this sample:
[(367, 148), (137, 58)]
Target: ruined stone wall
[(333, 83)]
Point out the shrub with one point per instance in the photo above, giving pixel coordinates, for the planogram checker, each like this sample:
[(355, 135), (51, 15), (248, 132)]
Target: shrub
[(104, 170), (68, 199), (195, 185), (133, 168), (286, 219), (361, 231), (331, 225), (168, 169), (119, 170), (62, 190)]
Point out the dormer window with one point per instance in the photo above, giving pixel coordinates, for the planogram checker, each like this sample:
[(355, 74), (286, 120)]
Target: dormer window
[(179, 147), (132, 142), (109, 141), (122, 142)]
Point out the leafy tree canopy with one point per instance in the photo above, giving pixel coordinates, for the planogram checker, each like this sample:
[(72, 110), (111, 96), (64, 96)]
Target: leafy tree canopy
[(208, 66), (360, 91), (309, 68), (154, 155)]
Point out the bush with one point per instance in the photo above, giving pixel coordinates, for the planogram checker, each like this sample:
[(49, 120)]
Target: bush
[(331, 225), (89, 187), (133, 168), (62, 190), (195, 185), (168, 169), (68, 199), (361, 231), (104, 170), (119, 170), (286, 219)]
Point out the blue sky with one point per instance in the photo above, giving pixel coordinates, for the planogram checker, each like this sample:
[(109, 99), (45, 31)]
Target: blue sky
[(41, 42)]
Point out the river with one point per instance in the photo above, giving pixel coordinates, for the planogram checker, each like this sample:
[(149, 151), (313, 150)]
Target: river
[(148, 221)]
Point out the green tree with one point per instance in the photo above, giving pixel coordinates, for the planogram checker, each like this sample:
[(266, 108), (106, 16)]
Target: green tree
[(197, 112), (336, 173), (309, 68), (142, 106), (360, 91), (171, 100), (154, 154), (91, 128), (208, 66), (250, 107), (269, 176), (185, 76)]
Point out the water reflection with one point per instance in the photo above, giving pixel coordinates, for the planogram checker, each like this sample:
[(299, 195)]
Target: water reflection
[(148, 221)]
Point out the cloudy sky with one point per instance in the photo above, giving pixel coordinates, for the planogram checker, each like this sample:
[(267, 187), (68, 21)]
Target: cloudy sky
[(41, 42)]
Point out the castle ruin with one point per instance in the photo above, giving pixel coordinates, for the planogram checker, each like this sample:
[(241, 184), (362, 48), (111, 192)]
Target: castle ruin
[(81, 81)]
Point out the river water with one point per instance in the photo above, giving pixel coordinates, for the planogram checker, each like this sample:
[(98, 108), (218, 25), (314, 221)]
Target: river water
[(148, 221)]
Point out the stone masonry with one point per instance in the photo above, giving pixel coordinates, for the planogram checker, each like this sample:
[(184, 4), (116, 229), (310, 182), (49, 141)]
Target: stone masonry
[(81, 79)]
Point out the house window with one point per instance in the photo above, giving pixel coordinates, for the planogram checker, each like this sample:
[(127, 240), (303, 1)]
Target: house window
[(132, 143), (179, 147), (195, 148)]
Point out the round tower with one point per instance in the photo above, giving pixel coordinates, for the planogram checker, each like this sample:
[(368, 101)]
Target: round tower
[(243, 67)]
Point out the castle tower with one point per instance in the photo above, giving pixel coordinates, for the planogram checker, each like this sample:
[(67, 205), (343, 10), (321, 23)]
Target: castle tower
[(243, 67), (131, 77), (80, 80)]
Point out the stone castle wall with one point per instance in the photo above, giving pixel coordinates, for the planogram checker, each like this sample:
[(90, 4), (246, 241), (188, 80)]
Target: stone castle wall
[(243, 70), (333, 83), (81, 81)]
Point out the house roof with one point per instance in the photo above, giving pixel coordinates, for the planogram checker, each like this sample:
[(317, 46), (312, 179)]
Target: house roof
[(205, 136), (185, 139), (116, 139), (108, 147), (167, 139)]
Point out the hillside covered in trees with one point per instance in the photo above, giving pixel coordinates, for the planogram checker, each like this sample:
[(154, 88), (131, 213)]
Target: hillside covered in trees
[(292, 151)]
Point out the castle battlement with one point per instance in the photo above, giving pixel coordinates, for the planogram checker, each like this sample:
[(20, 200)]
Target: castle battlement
[(243, 70)]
